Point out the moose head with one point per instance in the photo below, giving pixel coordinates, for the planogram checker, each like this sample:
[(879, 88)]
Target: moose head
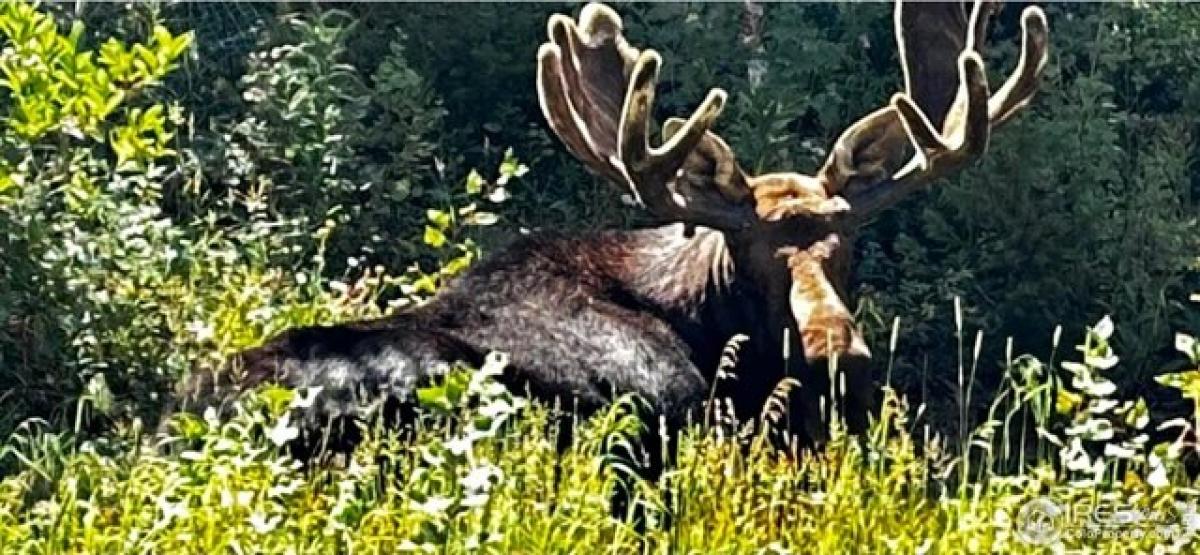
[(789, 232)]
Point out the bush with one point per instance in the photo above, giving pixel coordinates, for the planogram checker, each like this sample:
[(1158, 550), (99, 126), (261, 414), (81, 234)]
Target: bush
[(84, 243), (129, 263)]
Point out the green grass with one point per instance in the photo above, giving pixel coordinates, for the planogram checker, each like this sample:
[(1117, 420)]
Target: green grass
[(480, 476)]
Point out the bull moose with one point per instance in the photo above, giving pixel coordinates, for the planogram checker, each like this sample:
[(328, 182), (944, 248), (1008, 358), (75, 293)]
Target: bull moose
[(649, 311)]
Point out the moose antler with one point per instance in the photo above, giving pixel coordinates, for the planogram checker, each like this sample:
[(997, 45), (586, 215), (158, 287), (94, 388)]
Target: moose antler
[(597, 93), (945, 115), (938, 44)]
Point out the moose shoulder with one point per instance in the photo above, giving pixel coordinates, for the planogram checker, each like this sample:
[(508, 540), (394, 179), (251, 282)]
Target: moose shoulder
[(648, 312)]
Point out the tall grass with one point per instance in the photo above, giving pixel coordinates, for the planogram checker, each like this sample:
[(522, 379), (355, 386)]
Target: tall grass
[(483, 474)]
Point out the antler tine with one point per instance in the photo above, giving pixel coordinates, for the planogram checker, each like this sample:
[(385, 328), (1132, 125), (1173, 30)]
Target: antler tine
[(598, 25), (966, 131), (725, 174), (652, 169), (1020, 86), (561, 93), (597, 93), (560, 113)]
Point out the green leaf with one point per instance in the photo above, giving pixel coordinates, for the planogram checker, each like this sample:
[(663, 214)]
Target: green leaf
[(457, 265), (1066, 401), (475, 183), (439, 218), (77, 29), (456, 386), (189, 426), (1188, 383), (434, 397), (434, 237), (425, 284), (277, 399)]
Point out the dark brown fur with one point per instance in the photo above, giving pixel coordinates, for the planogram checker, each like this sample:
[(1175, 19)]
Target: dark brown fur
[(584, 319)]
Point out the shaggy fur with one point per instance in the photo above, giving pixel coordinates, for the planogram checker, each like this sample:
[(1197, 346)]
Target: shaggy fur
[(585, 319)]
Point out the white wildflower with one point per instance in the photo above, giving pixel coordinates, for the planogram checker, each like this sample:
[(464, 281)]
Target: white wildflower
[(434, 505), (262, 524), (1104, 328), (283, 432)]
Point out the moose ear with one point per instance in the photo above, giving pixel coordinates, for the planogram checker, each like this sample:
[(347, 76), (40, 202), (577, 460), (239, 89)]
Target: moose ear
[(825, 324)]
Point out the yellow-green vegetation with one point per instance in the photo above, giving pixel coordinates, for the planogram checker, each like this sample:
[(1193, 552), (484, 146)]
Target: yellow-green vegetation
[(483, 474), (124, 265)]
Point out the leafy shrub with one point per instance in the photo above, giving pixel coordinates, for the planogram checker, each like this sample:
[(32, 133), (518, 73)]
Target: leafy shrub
[(82, 236), (127, 265)]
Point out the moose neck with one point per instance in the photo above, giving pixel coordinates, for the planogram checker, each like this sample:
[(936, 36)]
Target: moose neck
[(712, 285), (671, 271)]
